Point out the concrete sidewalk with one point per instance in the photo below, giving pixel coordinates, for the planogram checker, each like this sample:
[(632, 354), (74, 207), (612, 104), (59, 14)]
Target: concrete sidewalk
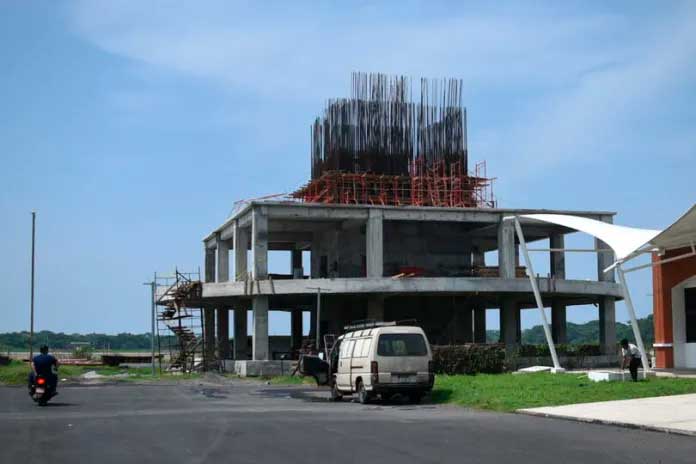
[(673, 414)]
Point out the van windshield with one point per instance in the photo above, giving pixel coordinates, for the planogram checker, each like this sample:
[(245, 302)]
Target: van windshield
[(407, 344)]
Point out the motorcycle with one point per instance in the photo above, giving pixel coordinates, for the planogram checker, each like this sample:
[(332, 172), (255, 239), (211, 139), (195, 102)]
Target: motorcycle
[(41, 391)]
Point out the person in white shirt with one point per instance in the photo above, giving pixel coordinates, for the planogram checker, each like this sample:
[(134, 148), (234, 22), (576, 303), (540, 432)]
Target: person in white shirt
[(630, 356)]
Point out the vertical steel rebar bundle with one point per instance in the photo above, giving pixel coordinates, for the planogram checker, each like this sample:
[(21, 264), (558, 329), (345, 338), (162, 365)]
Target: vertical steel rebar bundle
[(379, 147), (380, 130)]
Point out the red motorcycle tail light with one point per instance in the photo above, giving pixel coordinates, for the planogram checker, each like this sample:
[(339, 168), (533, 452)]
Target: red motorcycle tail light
[(40, 381)]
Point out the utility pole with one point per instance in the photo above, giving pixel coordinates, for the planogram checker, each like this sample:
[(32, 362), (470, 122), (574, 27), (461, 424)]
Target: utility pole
[(33, 261), (153, 287)]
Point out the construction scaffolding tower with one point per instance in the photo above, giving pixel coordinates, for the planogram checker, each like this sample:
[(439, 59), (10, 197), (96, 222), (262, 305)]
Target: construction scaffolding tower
[(179, 326)]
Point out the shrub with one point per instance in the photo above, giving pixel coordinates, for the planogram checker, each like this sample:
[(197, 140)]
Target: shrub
[(468, 359), (535, 351)]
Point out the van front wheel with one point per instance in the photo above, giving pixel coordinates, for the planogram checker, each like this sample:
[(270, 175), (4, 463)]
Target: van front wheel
[(335, 393), (363, 395)]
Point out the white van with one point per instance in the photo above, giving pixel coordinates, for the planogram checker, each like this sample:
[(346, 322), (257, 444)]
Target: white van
[(382, 361)]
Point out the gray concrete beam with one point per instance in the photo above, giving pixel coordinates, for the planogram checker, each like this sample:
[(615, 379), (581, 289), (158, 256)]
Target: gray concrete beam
[(315, 211), (445, 285), (309, 212), (260, 336)]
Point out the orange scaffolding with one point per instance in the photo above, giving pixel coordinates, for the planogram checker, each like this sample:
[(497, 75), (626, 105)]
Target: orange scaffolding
[(436, 185)]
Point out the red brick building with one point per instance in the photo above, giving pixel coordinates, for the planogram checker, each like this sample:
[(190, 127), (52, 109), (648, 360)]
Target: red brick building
[(674, 309)]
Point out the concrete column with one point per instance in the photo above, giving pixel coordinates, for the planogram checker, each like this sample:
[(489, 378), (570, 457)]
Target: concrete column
[(607, 325), (375, 244), (607, 304), (209, 335), (259, 244), (375, 308), (558, 308), (558, 322), (313, 323), (510, 324), (479, 324), (241, 351), (223, 333), (478, 257), (260, 337), (241, 246), (557, 258), (506, 249), (296, 329), (209, 265), (463, 328), (296, 264), (223, 261)]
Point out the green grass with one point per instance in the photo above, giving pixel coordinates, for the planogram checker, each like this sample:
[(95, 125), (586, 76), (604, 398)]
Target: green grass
[(507, 392), (290, 380), (16, 373)]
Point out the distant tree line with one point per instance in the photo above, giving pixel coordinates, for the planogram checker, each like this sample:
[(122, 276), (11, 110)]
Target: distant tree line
[(587, 333), (19, 341)]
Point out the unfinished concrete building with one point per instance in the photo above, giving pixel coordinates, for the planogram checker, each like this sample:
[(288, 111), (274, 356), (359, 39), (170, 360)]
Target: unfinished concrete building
[(396, 228)]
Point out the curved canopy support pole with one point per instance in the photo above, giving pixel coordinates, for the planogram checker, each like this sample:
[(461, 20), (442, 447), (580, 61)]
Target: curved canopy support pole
[(537, 296), (634, 322)]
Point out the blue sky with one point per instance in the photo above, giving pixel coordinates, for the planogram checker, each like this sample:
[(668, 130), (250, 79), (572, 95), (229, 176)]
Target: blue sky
[(132, 127)]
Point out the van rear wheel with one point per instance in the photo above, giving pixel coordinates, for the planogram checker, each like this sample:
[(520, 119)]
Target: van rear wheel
[(363, 395)]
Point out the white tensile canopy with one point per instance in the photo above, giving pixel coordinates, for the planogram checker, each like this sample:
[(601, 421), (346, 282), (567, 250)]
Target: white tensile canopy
[(626, 243)]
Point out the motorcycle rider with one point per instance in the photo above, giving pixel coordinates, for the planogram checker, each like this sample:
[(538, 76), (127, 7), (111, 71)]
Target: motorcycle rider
[(42, 365)]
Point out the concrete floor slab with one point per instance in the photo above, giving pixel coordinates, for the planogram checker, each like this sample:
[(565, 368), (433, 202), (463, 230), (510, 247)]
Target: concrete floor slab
[(674, 414)]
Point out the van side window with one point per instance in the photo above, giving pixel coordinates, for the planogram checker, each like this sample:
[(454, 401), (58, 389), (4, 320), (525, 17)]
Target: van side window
[(347, 348), (366, 347), (357, 351), (344, 349)]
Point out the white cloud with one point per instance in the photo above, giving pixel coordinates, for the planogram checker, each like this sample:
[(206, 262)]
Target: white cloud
[(580, 79)]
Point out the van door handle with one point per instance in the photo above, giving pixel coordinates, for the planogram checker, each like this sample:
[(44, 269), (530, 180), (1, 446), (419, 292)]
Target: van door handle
[(356, 367)]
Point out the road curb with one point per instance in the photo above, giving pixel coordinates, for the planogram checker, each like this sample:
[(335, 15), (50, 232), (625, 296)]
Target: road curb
[(627, 425)]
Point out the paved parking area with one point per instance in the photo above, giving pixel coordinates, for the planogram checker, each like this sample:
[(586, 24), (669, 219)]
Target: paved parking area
[(243, 421), (675, 414)]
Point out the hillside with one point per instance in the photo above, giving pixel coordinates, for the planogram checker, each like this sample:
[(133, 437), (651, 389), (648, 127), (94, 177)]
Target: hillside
[(587, 333)]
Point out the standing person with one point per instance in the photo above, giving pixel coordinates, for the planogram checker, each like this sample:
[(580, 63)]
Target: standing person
[(630, 356), (43, 365)]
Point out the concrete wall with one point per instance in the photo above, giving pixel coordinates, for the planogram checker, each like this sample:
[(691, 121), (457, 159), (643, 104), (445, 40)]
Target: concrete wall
[(441, 249)]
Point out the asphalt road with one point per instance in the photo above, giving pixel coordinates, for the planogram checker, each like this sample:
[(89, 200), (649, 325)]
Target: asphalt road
[(248, 422)]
